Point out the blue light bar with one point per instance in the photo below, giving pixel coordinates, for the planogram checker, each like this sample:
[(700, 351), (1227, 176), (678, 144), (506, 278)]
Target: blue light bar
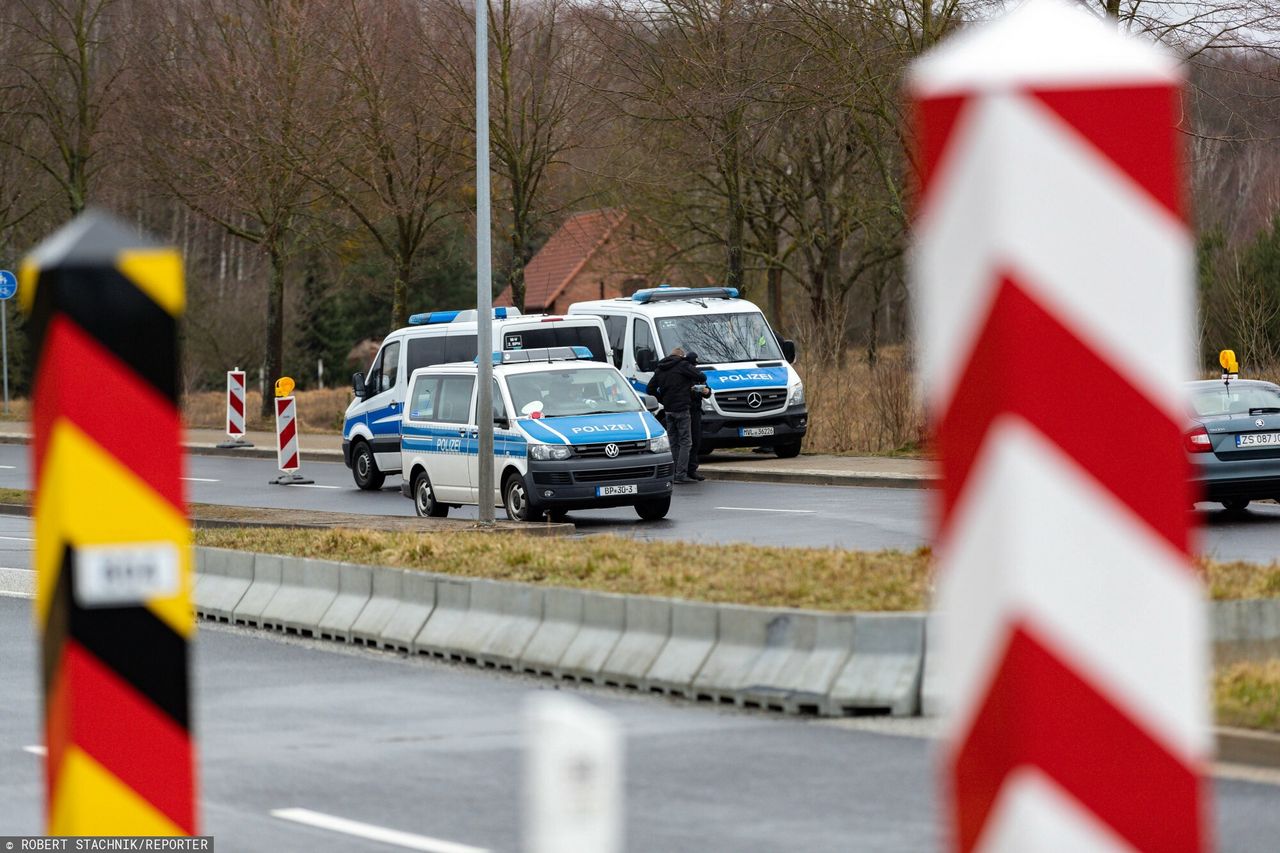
[(666, 292), (433, 318), (581, 352)]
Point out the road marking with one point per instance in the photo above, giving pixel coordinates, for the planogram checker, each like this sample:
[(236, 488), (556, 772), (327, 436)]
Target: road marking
[(200, 480), (374, 833), (36, 750), (9, 467), (766, 509), (313, 486), (17, 539)]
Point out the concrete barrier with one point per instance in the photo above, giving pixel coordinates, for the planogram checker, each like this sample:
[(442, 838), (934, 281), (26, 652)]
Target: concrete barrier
[(417, 603), (647, 624), (740, 642), (931, 697), (603, 621), (453, 604), (1245, 630), (517, 609), (884, 673), (355, 587), (222, 579), (804, 652), (267, 574), (693, 636), (561, 621), (384, 597), (307, 589)]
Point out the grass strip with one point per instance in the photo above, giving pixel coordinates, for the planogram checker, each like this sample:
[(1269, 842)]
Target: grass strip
[(1247, 695)]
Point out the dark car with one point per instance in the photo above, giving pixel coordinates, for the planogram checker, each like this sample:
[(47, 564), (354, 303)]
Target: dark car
[(1233, 440)]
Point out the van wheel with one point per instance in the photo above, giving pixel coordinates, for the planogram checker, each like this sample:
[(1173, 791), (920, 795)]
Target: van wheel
[(1235, 504), (364, 469), (424, 499), (655, 509), (515, 497), (790, 450)]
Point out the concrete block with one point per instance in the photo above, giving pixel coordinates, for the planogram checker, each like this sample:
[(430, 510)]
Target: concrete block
[(603, 620), (222, 580), (561, 620), (740, 642), (355, 586), (417, 602), (267, 574), (647, 626), (804, 653), (1247, 630), (518, 611), (307, 589), (453, 603), (885, 672), (932, 700), (384, 598), (693, 636)]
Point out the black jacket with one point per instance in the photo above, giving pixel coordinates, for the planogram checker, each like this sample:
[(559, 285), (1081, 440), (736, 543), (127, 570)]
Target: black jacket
[(673, 382)]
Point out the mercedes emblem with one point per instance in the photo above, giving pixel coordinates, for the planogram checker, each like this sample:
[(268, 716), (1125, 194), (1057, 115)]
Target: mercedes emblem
[(754, 399), (611, 450)]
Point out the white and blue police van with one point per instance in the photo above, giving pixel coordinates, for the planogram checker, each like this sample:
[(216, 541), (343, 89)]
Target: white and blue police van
[(371, 427), (757, 398), (569, 433)]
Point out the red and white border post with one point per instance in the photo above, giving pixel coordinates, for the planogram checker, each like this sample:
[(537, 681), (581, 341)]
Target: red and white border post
[(1052, 264), (287, 437), (235, 410)]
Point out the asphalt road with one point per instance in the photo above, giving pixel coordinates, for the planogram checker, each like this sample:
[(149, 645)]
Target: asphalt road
[(435, 750), (762, 513)]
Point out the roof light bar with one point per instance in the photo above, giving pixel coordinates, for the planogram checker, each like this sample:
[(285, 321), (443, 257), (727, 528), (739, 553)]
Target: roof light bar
[(667, 292), (468, 315), (525, 356)]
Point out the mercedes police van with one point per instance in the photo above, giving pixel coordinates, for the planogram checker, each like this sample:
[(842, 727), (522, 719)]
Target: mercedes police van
[(757, 398), (569, 433), (371, 428)]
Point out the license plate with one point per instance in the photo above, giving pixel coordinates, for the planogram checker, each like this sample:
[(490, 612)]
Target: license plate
[(752, 432), (1258, 439), (606, 491)]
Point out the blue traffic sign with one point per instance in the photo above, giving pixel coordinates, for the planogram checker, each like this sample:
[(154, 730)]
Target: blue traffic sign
[(8, 284)]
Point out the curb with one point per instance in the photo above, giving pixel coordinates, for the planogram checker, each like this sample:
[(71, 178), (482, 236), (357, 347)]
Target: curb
[(1245, 746), (792, 661)]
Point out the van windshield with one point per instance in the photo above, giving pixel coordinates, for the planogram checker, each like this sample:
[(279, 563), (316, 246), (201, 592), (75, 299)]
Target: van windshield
[(741, 336), (571, 391)]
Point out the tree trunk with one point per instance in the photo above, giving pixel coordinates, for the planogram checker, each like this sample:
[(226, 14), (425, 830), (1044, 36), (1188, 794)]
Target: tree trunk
[(275, 328), (400, 295), (519, 257), (773, 276)]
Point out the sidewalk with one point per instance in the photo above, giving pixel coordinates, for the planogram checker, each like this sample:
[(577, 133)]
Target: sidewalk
[(818, 470)]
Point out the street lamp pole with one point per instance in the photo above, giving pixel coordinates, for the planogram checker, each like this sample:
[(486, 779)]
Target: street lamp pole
[(484, 272)]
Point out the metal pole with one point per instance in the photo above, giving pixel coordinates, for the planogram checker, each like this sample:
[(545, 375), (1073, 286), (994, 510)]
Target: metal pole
[(484, 274), (4, 344)]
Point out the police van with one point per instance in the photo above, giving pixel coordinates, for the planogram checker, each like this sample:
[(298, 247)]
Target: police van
[(757, 397), (371, 427), (569, 433)]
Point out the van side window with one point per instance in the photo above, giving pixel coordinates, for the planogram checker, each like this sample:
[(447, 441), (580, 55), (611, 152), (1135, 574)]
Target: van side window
[(422, 399), (454, 399), (373, 378), (425, 352), (390, 366), (459, 348), (499, 407), (642, 340), (615, 326)]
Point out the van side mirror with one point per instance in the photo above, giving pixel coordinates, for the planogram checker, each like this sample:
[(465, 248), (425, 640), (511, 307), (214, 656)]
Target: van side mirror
[(501, 422), (646, 361), (789, 351), (357, 385), (649, 402)]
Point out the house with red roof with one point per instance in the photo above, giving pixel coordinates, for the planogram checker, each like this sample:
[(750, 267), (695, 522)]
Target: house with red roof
[(594, 255)]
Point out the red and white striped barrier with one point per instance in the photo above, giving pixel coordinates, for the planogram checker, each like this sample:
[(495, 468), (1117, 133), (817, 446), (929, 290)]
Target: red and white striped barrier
[(1053, 265), (287, 444), (235, 410)]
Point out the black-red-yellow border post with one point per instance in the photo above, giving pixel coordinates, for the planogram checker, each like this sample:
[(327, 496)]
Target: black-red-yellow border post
[(113, 545)]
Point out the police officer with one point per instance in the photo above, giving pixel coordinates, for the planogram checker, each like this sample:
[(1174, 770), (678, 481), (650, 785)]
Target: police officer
[(672, 384)]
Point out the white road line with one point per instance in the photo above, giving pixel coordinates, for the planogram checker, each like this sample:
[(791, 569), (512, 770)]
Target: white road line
[(36, 750), (17, 539), (200, 480), (766, 509), (313, 486), (374, 833), (9, 467)]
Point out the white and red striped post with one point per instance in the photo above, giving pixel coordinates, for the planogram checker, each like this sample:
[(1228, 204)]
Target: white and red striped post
[(287, 444), (1053, 262), (235, 410)]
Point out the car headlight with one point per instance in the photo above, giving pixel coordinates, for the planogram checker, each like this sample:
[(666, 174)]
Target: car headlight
[(796, 398), (706, 405), (549, 451), (661, 444)]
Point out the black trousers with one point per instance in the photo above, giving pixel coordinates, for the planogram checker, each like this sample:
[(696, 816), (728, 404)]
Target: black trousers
[(695, 423)]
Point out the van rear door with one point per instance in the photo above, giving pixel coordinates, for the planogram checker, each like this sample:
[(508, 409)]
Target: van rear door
[(581, 331)]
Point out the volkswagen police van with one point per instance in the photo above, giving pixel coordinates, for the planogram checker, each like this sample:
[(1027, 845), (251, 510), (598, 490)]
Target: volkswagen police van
[(371, 427), (757, 397), (569, 433)]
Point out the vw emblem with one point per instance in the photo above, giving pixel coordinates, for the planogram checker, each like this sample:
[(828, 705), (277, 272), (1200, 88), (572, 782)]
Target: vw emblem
[(611, 450), (754, 399), (1259, 422)]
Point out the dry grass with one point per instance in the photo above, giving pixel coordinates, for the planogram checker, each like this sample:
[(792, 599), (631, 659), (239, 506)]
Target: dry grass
[(1248, 695), (742, 574), (1240, 580), (859, 409), (318, 411)]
